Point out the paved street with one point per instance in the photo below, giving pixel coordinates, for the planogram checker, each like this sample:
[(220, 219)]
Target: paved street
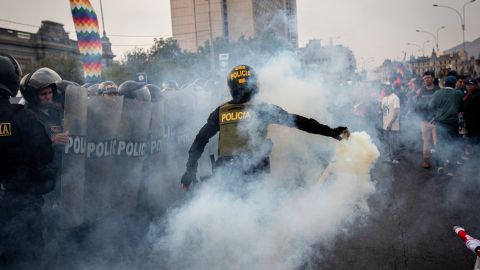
[(413, 212)]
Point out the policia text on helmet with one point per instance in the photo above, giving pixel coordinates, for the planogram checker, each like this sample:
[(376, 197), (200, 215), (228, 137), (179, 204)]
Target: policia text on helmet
[(247, 152), (242, 83)]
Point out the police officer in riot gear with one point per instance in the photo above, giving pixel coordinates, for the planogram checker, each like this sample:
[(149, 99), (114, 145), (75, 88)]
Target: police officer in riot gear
[(242, 125), (155, 92), (108, 88), (39, 90), (61, 91), (26, 149), (134, 90)]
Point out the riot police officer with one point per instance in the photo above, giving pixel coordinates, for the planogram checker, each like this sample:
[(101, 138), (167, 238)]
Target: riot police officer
[(155, 92), (108, 88), (26, 149), (242, 125), (39, 90), (135, 90)]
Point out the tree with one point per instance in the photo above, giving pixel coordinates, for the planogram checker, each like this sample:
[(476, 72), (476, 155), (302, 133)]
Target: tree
[(69, 68)]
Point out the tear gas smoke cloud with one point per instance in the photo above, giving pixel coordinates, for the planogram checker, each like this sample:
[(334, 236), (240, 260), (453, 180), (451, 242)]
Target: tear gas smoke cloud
[(274, 224), (257, 226)]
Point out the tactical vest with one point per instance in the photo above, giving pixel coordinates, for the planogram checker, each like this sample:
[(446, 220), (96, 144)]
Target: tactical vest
[(234, 138)]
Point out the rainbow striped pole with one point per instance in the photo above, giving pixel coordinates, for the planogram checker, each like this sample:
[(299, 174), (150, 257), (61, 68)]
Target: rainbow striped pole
[(89, 42)]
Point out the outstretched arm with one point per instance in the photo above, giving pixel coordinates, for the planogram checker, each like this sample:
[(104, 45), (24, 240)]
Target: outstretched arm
[(206, 132), (309, 125)]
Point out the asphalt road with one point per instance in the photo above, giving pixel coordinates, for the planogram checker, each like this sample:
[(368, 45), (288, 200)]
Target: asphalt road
[(411, 220)]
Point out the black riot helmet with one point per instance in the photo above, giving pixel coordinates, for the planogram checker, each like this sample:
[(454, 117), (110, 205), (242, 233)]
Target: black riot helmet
[(10, 74), (108, 88), (242, 82), (134, 90), (155, 92), (92, 89), (33, 82), (61, 91)]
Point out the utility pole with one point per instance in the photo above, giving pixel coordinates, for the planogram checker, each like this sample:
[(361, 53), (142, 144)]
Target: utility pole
[(212, 53), (103, 21)]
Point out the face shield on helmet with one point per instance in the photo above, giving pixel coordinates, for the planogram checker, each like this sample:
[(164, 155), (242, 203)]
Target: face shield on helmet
[(10, 74), (108, 88), (242, 82), (38, 80), (135, 90)]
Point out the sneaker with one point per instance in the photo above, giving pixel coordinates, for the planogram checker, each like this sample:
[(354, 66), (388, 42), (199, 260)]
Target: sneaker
[(440, 169), (432, 151), (450, 174), (464, 157), (395, 161), (459, 162)]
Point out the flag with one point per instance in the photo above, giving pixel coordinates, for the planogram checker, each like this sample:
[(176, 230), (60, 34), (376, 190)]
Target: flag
[(89, 42)]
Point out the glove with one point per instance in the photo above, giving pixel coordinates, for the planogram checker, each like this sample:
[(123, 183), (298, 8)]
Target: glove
[(188, 177), (339, 131)]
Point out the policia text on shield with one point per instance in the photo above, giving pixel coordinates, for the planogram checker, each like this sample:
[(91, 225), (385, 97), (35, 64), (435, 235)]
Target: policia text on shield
[(242, 125)]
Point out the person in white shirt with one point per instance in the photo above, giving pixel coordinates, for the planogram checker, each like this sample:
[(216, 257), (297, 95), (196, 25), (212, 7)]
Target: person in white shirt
[(391, 123)]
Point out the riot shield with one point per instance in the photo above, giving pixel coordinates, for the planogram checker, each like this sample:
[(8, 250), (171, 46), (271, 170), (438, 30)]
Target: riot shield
[(152, 189), (130, 154), (103, 117), (179, 132), (72, 176)]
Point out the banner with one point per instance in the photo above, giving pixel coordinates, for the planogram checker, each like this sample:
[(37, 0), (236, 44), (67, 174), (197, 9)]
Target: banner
[(89, 42)]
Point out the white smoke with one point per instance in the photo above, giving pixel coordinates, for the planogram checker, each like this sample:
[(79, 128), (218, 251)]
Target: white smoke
[(276, 222), (265, 227)]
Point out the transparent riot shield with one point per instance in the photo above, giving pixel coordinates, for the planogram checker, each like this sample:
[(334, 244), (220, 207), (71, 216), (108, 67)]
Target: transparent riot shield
[(130, 155), (153, 188), (72, 178), (104, 114)]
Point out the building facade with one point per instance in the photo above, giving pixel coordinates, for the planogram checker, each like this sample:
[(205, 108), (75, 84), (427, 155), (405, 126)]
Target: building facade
[(231, 20), (442, 64), (329, 61), (51, 40)]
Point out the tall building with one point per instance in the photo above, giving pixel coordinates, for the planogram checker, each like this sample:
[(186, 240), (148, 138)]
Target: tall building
[(232, 19)]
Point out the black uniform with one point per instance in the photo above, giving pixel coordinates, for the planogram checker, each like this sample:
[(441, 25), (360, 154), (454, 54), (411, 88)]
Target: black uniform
[(261, 115), (26, 149)]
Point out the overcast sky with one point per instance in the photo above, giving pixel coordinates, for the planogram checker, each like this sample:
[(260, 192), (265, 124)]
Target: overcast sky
[(376, 29)]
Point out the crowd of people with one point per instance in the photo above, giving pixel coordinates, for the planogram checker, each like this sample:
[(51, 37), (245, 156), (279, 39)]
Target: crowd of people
[(440, 114)]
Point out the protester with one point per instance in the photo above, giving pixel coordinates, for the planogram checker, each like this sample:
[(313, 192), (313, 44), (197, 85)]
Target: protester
[(422, 99), (445, 106), (391, 123)]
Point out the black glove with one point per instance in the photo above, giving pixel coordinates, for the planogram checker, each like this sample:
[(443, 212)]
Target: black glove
[(188, 177), (338, 131)]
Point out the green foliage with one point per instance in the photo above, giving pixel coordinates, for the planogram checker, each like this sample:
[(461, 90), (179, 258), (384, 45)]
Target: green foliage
[(69, 68), (166, 61)]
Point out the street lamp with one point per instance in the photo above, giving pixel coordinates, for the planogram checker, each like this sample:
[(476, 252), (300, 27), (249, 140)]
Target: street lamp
[(438, 30), (431, 34), (416, 45), (462, 18), (435, 37), (423, 46)]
